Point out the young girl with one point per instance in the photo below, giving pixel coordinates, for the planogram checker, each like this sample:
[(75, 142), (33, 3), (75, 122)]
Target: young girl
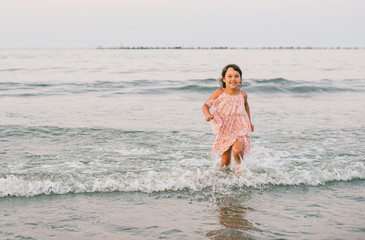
[(231, 121)]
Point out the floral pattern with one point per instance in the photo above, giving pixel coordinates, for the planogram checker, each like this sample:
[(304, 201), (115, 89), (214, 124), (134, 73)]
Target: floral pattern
[(230, 122)]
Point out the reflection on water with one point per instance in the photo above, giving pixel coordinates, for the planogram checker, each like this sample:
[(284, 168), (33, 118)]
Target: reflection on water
[(231, 215)]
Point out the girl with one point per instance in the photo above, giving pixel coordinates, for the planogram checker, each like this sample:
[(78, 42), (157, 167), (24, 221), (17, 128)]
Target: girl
[(231, 121)]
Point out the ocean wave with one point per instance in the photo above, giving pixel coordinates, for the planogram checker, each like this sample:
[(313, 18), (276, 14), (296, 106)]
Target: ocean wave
[(200, 180), (165, 87), (11, 69), (281, 85)]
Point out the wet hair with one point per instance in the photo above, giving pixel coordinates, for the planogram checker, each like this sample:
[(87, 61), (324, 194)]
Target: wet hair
[(224, 70)]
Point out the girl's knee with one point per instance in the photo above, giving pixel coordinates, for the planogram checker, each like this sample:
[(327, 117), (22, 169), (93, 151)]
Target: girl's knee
[(238, 153), (238, 149)]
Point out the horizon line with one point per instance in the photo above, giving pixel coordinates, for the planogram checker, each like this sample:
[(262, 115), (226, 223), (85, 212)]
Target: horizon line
[(188, 48)]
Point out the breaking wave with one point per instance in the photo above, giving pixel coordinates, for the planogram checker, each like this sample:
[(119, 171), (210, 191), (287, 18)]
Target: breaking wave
[(208, 179), (107, 88)]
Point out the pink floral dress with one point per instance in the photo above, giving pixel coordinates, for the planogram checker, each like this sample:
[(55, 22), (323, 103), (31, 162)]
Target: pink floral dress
[(230, 122)]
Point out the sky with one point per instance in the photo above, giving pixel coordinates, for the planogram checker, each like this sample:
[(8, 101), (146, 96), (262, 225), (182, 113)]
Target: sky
[(185, 23)]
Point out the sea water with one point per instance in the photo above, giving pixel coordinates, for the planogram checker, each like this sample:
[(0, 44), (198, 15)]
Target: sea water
[(112, 144)]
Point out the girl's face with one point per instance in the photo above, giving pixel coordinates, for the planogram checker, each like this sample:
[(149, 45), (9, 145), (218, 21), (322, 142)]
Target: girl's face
[(232, 78)]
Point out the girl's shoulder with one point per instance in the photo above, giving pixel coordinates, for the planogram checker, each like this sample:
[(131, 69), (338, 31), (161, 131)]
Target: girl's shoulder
[(243, 93), (217, 93)]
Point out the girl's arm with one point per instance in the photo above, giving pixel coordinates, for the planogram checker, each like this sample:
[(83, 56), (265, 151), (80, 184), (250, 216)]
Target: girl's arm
[(205, 108), (247, 108)]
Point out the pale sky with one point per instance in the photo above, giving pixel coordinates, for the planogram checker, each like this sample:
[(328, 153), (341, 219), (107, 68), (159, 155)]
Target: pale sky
[(186, 23)]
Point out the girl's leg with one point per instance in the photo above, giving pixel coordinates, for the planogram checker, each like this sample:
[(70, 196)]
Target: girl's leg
[(237, 149), (226, 157)]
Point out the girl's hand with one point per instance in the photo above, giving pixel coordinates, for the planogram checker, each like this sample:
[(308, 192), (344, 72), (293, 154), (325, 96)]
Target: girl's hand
[(252, 127), (209, 117)]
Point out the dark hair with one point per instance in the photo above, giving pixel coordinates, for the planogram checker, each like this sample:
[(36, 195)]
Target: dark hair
[(236, 68)]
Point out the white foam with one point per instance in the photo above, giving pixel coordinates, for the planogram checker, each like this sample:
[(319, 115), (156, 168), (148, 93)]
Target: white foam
[(259, 169), (175, 180), (127, 152)]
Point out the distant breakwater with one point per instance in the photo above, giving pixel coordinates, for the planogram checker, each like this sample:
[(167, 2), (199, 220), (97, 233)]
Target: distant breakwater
[(220, 47)]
